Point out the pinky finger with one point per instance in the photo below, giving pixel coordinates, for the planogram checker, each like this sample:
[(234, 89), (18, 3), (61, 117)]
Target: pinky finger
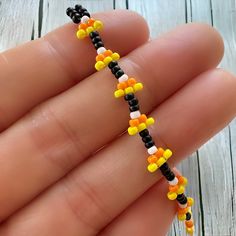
[(152, 214)]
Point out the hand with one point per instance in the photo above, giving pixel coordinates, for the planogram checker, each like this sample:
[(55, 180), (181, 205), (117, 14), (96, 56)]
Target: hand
[(57, 113)]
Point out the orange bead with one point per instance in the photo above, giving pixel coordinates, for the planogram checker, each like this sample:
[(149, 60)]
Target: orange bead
[(83, 26), (152, 159), (122, 85), (173, 188), (189, 223), (142, 118), (107, 53), (134, 122), (183, 210), (90, 22), (100, 57), (159, 152), (181, 179), (131, 81)]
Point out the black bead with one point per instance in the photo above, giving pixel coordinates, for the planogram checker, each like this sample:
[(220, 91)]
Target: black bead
[(74, 12), (149, 144), (69, 11), (164, 167), (183, 201), (133, 102), (78, 7), (98, 45), (81, 9), (86, 13), (96, 39), (170, 177), (112, 64), (115, 69), (134, 108), (167, 173), (147, 139), (129, 96), (180, 196), (188, 216), (119, 73), (76, 19), (93, 34), (165, 170), (144, 133)]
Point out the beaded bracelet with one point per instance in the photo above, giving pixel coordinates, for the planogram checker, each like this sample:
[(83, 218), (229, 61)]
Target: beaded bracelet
[(127, 87)]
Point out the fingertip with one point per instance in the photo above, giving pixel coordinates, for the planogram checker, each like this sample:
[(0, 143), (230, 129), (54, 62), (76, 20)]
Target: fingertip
[(214, 38), (226, 82), (202, 40), (136, 26)]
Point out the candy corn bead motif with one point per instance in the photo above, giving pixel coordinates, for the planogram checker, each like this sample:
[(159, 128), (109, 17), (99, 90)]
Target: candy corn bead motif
[(105, 57), (87, 26), (157, 159), (178, 188), (127, 85), (139, 123)]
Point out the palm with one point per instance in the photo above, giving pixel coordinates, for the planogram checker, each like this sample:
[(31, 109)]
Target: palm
[(40, 193)]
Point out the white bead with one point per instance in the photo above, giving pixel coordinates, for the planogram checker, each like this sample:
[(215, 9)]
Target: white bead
[(84, 19), (123, 78), (174, 181), (135, 114), (101, 50), (152, 150), (183, 205)]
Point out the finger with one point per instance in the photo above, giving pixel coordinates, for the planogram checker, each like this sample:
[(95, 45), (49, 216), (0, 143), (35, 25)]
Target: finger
[(103, 186), (64, 131), (43, 68), (150, 215)]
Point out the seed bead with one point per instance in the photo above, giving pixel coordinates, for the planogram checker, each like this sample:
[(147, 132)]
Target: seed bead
[(152, 150)]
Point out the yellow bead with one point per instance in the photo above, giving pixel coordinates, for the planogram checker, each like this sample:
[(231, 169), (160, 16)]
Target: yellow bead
[(132, 130), (150, 121), (119, 93), (89, 29), (190, 201), (138, 86), (185, 181), (161, 161), (190, 230), (181, 189), (152, 167), (81, 34), (107, 60), (171, 195), (115, 56), (167, 154), (182, 217), (141, 127), (98, 25), (99, 65), (129, 90)]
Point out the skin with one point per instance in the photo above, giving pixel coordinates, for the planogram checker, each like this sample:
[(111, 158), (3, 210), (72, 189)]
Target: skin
[(67, 165)]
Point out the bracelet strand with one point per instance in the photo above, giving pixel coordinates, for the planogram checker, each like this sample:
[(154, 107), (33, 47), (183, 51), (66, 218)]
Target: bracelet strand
[(127, 87)]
